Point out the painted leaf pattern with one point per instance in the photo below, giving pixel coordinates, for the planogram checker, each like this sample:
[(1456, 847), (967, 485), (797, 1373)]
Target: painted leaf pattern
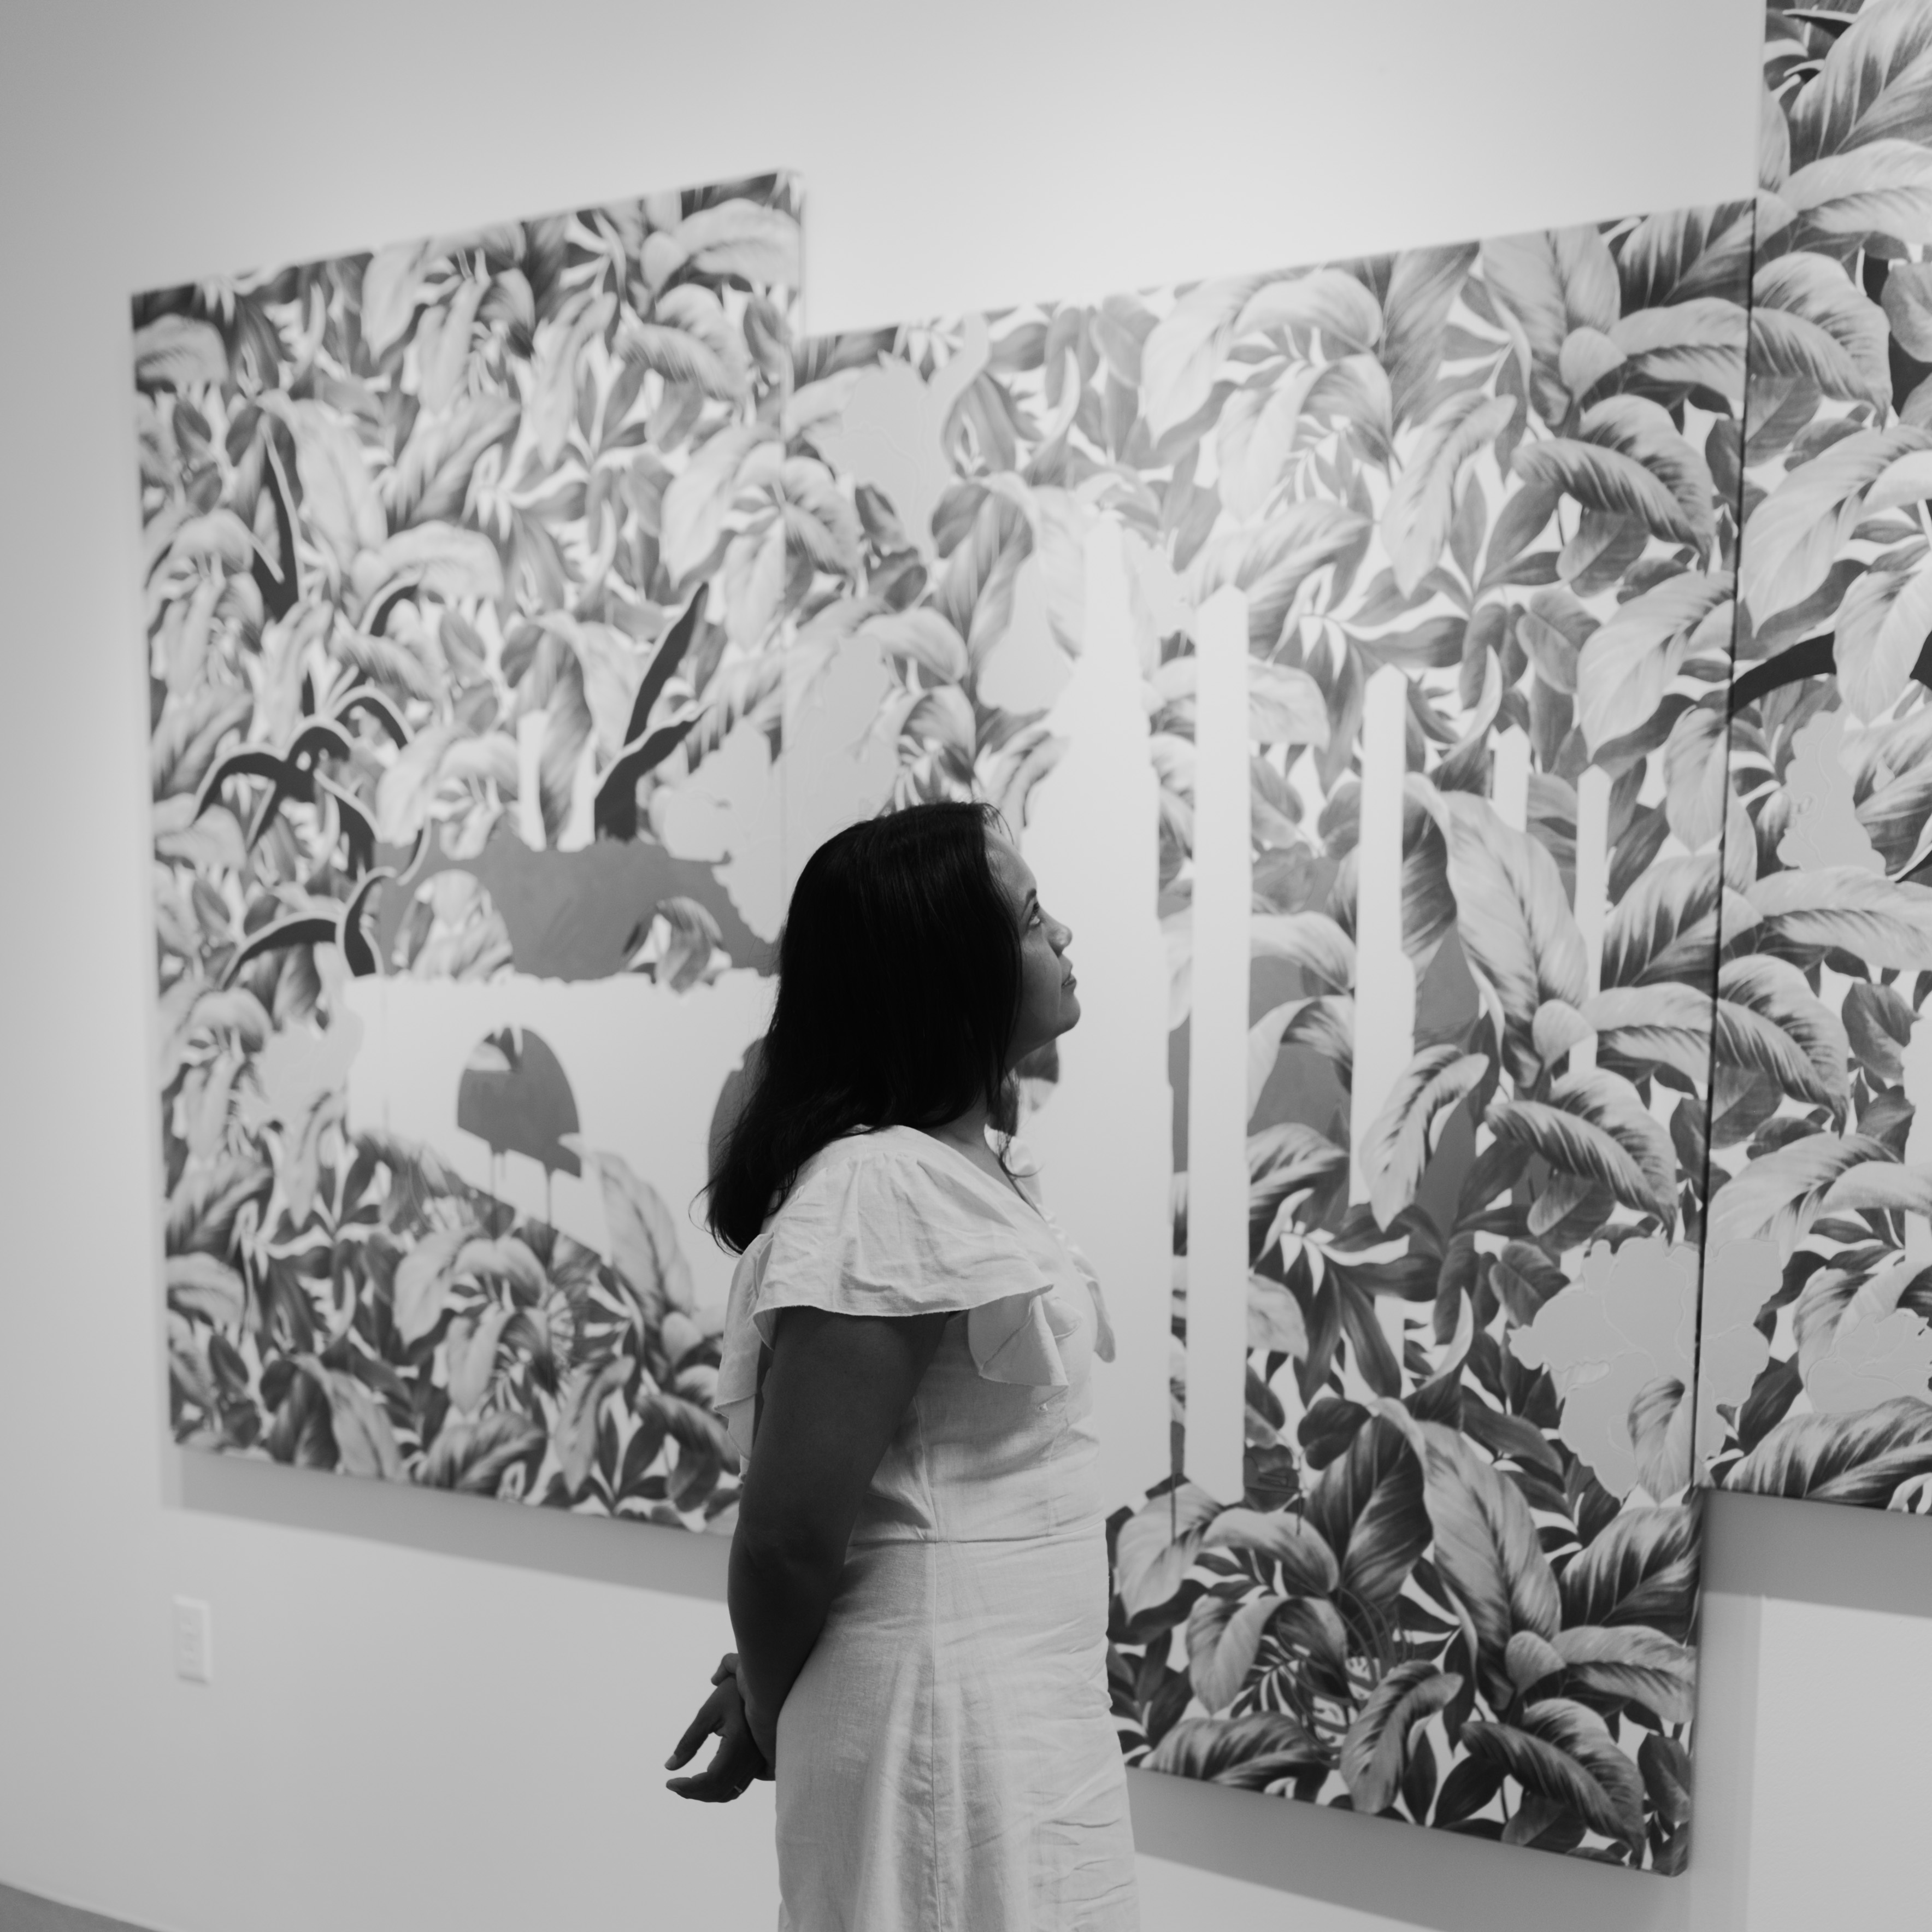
[(484, 571), (1818, 1156), (439, 599)]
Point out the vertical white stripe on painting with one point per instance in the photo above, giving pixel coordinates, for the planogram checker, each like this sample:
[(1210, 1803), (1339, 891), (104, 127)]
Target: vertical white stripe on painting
[(1509, 777), (1217, 1087), (1384, 980), (1092, 836), (1593, 891)]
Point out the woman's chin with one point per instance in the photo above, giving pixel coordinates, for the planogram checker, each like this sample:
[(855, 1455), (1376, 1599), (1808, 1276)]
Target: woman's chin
[(1069, 1010)]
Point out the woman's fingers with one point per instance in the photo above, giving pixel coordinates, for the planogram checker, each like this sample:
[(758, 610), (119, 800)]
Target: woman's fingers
[(710, 1719), (734, 1766)]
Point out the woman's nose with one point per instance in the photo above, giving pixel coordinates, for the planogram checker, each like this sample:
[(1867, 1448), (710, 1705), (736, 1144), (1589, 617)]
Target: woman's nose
[(1062, 937)]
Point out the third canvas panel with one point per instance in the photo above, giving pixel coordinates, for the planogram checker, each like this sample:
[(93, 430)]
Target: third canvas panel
[(1815, 1353)]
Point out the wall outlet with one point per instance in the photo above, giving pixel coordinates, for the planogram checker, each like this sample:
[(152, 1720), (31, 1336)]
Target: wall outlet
[(194, 1641)]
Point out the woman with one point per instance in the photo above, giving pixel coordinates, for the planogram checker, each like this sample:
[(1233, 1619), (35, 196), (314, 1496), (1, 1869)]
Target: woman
[(918, 1581)]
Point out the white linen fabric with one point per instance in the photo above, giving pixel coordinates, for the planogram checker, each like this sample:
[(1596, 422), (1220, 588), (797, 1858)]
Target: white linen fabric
[(946, 1761)]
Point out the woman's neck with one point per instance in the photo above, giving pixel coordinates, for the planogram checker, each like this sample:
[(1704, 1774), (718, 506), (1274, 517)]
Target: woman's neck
[(967, 1130)]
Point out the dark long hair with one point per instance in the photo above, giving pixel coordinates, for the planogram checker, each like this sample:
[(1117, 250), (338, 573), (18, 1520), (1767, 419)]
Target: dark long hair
[(898, 992)]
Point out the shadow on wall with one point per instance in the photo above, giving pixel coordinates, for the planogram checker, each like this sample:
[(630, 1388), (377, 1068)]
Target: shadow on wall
[(1755, 1546), (599, 1549)]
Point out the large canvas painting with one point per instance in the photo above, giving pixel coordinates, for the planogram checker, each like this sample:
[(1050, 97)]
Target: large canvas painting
[(1457, 531), (1470, 706), (1816, 1351), (453, 975)]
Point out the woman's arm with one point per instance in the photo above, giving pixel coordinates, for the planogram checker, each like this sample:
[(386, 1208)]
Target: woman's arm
[(836, 1389)]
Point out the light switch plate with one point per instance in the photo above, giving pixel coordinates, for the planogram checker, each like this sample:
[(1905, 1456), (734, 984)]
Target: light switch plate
[(194, 1646)]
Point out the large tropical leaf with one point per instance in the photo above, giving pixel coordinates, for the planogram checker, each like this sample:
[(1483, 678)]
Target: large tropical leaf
[(1882, 626), (1415, 524), (1628, 460), (1554, 282), (1311, 941), (1329, 300), (1858, 912), (1256, 432), (1224, 1635), (1697, 342), (1624, 666), (1282, 1160), (1876, 80), (339, 499), (471, 1456), (176, 351), (365, 1443), (1860, 1458), (1668, 1025), (1594, 1126), (1793, 537), (1908, 307), (738, 237), (199, 1284), (696, 502), (581, 1401), (1641, 1569), (1325, 1023), (1664, 926), (1682, 254), (1271, 563), (1486, 1544), (1183, 353), (650, 1260), (1883, 1185), (1252, 1752), (1768, 1017), (1884, 186), (1157, 1544), (1376, 1751), (1563, 1752), (1423, 287), (1630, 1661), (1512, 913), (690, 339), (1810, 322), (422, 1275), (1306, 1566), (1779, 1194), (1399, 1139), (1697, 793), (976, 589), (1367, 1506)]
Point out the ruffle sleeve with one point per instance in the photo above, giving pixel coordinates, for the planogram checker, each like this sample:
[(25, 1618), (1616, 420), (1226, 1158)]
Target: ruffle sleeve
[(873, 1228)]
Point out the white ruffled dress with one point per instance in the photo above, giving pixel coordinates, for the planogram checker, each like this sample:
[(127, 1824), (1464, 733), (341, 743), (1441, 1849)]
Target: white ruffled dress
[(946, 1761)]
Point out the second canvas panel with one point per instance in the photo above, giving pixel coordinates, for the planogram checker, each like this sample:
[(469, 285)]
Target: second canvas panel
[(1399, 594)]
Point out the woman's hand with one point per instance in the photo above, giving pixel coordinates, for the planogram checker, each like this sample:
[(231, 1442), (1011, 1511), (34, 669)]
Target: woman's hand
[(738, 1761)]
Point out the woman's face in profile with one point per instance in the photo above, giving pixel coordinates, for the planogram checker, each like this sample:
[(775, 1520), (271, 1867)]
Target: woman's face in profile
[(1048, 1003)]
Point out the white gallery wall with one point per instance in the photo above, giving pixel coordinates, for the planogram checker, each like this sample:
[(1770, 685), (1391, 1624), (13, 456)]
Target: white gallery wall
[(427, 1711)]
